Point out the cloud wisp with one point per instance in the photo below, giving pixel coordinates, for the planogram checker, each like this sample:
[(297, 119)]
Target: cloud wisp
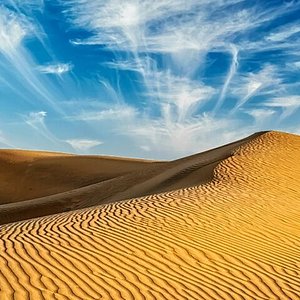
[(13, 30), (36, 120), (232, 70), (288, 105), (252, 84), (17, 61), (83, 145), (56, 69)]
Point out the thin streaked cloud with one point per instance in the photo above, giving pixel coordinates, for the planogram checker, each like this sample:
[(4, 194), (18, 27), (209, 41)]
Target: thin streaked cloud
[(56, 69)]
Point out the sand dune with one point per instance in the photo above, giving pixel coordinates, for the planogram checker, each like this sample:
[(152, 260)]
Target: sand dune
[(234, 237), (49, 183), (44, 173)]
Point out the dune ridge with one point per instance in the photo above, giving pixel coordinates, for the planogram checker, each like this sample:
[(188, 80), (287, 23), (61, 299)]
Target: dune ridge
[(235, 237), (50, 183)]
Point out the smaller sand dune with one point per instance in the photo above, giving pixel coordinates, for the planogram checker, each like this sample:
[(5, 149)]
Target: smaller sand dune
[(50, 183), (41, 174)]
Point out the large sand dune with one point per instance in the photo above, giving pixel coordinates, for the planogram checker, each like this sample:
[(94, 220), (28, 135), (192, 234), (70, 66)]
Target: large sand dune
[(237, 236), (34, 184)]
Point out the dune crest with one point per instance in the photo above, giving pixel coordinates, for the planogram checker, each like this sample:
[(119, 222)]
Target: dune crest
[(235, 237)]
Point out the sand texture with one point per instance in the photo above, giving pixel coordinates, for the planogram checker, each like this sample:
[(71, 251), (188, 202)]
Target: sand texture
[(234, 237)]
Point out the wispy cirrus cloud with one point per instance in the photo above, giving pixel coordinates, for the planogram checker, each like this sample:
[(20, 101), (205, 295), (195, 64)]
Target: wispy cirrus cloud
[(36, 120), (13, 29), (127, 25), (19, 5), (162, 139), (288, 104), (296, 64), (232, 70), (57, 69), (178, 98), (283, 33), (159, 136), (251, 84), (18, 63), (166, 44), (117, 112), (260, 114)]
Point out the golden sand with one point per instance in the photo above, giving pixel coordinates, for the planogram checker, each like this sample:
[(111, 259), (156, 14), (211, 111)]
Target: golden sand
[(236, 237)]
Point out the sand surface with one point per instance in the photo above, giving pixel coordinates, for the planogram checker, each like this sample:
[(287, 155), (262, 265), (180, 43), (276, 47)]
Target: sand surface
[(235, 237)]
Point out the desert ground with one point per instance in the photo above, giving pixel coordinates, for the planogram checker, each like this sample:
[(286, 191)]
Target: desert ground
[(223, 224)]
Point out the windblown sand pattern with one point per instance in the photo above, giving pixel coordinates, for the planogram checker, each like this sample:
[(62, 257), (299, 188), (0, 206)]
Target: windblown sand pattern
[(236, 237)]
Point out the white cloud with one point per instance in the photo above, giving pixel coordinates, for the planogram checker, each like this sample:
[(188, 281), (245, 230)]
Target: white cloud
[(116, 22), (130, 25), (57, 69), (35, 118), (260, 115), (120, 112), (127, 65), (17, 61), (13, 29), (293, 66), (37, 121), (83, 144), (185, 31), (288, 104), (232, 70), (25, 4), (172, 140), (284, 33), (252, 84), (145, 148), (289, 101), (178, 97)]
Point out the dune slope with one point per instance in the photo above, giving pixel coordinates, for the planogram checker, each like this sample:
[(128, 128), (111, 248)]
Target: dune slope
[(49, 183), (235, 237)]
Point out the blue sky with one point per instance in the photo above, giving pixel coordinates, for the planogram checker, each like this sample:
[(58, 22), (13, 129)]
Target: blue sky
[(156, 79)]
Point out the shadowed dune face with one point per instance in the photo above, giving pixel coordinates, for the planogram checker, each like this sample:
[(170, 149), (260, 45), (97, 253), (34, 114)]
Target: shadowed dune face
[(49, 183), (235, 237), (40, 174)]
